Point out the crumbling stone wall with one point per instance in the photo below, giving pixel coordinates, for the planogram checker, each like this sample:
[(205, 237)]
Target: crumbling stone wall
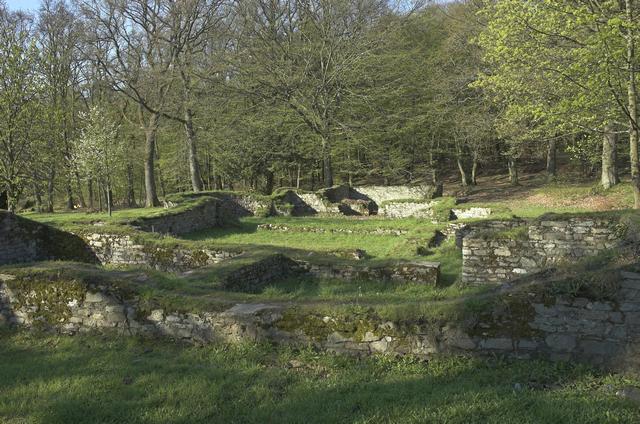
[(470, 213), (418, 272), (498, 251), (602, 332), (381, 194), (122, 249), (202, 216), (405, 209), (391, 201), (235, 205), (254, 277)]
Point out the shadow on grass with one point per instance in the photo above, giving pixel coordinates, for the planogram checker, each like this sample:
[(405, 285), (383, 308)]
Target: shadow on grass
[(239, 227), (88, 379)]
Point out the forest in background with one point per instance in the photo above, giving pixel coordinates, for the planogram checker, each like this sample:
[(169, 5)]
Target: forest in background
[(123, 101)]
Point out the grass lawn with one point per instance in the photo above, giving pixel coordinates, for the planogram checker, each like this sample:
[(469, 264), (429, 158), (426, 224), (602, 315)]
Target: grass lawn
[(377, 246), (81, 217), (49, 379)]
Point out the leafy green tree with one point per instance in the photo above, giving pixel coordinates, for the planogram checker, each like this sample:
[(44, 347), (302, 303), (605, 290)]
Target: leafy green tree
[(304, 53), (99, 150), (20, 91), (566, 69)]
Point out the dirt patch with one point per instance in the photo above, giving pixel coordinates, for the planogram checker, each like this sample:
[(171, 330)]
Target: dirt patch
[(591, 202)]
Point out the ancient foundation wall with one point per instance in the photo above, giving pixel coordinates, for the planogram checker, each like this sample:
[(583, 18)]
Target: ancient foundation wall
[(121, 249), (498, 251), (560, 327), (206, 214)]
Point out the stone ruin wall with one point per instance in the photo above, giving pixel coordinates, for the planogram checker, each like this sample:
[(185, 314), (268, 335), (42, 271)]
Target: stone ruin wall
[(382, 194), (391, 202), (125, 250), (416, 272), (407, 209), (499, 251), (201, 217), (561, 328)]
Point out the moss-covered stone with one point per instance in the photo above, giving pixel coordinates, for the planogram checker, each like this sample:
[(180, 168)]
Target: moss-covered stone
[(46, 301)]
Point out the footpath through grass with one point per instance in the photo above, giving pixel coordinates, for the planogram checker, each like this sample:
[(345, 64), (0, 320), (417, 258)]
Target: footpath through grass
[(48, 379)]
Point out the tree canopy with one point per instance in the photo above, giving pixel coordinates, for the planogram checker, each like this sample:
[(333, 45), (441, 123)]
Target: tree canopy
[(260, 94)]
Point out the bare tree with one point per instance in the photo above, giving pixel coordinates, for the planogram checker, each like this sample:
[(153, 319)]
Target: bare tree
[(193, 22), (130, 44)]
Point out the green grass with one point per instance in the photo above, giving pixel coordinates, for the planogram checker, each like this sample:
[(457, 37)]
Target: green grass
[(377, 246), (48, 379), (80, 217)]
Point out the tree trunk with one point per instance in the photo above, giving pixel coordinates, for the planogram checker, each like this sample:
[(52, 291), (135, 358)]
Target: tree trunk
[(436, 180), (513, 171), (192, 155), (552, 148), (163, 189), (3, 200), (36, 193), (68, 171), (109, 199), (83, 204), (210, 177), (327, 168), (99, 196), (474, 170), (270, 181), (50, 190), (194, 168), (70, 202), (464, 178), (131, 195), (151, 194), (298, 176), (12, 197), (609, 158), (632, 92), (90, 193)]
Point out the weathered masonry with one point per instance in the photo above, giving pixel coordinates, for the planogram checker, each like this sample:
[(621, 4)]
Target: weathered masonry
[(499, 251), (529, 323)]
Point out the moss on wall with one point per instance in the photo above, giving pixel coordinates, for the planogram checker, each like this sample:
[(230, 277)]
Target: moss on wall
[(47, 301)]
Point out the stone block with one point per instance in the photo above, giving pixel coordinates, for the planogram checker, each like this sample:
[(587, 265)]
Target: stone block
[(96, 297), (370, 337), (156, 315), (527, 344), (606, 348), (561, 342), (380, 346), (497, 344)]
